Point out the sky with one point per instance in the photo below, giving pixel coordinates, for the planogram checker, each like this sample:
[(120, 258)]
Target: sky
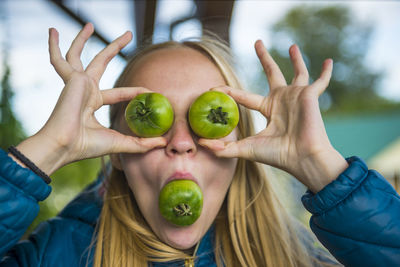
[(24, 33)]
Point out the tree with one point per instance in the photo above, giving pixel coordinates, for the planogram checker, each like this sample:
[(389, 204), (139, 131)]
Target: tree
[(11, 131), (331, 32)]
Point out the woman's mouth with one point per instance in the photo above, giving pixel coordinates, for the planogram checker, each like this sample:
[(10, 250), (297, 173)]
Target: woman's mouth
[(181, 175), (181, 199)]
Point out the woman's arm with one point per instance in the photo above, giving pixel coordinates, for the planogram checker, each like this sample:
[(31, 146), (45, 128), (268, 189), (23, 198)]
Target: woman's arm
[(295, 139), (356, 213), (71, 133)]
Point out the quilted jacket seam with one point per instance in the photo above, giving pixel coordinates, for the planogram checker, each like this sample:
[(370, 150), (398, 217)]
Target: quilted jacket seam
[(355, 240), (355, 187), (388, 193), (18, 189)]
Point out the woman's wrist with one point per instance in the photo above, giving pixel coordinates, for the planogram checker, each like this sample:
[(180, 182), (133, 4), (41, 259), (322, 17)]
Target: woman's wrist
[(43, 152), (321, 169)]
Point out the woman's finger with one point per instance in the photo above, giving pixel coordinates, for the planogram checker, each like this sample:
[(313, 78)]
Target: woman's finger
[(300, 70), (120, 94), (98, 65), (237, 149), (274, 74), (59, 63), (323, 81), (128, 144), (73, 55), (247, 99)]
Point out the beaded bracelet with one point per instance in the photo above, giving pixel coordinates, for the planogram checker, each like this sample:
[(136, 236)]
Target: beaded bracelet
[(16, 153)]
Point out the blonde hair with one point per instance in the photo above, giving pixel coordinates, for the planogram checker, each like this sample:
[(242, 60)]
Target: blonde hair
[(251, 229)]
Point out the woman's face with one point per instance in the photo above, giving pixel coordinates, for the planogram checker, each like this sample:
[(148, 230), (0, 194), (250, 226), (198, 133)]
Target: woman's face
[(180, 74)]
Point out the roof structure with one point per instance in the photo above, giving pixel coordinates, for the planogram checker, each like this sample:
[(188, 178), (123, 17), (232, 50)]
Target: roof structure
[(373, 137), (364, 135), (214, 16)]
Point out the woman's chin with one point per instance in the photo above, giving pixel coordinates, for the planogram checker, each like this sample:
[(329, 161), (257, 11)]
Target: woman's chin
[(182, 237)]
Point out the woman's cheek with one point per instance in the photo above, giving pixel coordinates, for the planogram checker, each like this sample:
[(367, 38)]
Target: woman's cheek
[(219, 171), (140, 169)]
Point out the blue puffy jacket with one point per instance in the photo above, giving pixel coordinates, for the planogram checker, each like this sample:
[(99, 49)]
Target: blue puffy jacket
[(356, 217)]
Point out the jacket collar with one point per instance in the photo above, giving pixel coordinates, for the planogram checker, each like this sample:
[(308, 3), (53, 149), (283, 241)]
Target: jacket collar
[(86, 206)]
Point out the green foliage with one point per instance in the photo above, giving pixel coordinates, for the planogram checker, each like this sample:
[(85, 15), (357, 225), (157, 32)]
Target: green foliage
[(331, 32), (66, 183), (11, 131)]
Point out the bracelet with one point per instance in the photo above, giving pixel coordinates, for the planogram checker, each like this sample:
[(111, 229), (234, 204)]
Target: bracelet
[(15, 152)]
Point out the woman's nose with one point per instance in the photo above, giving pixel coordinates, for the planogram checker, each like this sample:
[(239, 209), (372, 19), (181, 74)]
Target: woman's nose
[(181, 141)]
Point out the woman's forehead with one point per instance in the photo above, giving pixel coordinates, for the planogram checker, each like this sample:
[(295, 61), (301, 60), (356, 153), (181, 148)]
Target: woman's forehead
[(174, 66)]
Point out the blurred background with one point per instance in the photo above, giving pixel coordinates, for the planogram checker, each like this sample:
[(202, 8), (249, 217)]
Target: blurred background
[(361, 107)]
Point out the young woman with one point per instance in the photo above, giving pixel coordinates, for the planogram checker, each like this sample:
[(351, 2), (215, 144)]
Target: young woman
[(116, 221)]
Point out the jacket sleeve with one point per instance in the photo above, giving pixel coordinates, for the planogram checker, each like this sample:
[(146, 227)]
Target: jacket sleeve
[(357, 217), (20, 191)]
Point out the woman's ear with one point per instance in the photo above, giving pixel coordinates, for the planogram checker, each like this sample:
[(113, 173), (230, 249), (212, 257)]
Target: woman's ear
[(116, 161)]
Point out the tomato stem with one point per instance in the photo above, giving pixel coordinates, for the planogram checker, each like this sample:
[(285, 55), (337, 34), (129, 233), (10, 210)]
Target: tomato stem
[(182, 209), (218, 116), (142, 112)]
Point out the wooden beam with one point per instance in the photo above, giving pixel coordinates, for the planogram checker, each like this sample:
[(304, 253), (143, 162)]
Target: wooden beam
[(215, 16), (145, 12), (82, 21)]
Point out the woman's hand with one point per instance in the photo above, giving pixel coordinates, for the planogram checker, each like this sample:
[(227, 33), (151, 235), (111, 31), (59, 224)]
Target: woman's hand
[(72, 131), (295, 139)]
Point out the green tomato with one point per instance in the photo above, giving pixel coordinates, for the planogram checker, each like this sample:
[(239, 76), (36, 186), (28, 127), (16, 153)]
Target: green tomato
[(149, 115), (213, 115), (180, 202)]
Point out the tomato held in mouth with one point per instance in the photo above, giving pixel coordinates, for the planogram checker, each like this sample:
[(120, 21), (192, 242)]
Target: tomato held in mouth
[(180, 202), (149, 115), (213, 115)]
